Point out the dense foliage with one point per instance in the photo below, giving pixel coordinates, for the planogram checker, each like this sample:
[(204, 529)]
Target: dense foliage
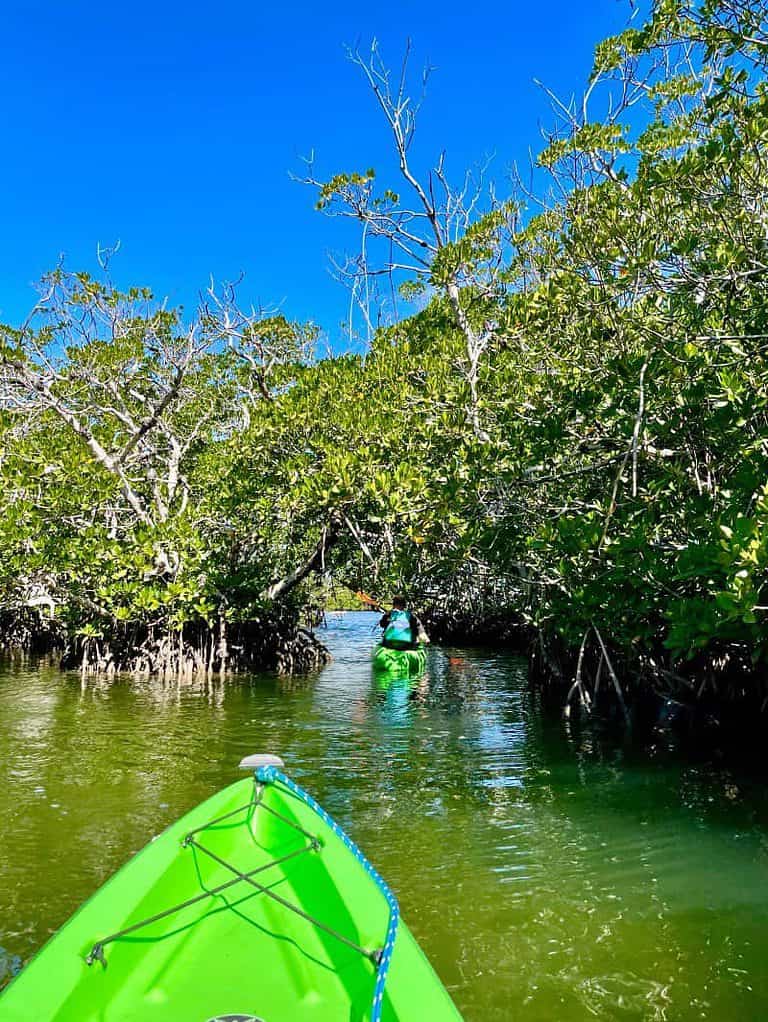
[(572, 428), (118, 416)]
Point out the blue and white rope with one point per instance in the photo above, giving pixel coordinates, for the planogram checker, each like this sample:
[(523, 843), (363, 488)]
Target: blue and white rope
[(270, 774)]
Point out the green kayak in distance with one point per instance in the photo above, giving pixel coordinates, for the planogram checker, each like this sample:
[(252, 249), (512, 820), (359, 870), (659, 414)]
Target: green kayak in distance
[(255, 906), (402, 662)]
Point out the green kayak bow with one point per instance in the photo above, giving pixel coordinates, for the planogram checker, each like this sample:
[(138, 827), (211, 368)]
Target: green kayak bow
[(255, 906)]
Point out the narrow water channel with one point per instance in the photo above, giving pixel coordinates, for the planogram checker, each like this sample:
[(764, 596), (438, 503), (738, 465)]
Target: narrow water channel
[(549, 873)]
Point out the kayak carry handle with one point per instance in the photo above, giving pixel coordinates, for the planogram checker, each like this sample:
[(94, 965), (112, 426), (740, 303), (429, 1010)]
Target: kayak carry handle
[(260, 759)]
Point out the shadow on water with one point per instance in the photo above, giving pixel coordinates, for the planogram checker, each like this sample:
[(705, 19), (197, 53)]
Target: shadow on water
[(549, 868)]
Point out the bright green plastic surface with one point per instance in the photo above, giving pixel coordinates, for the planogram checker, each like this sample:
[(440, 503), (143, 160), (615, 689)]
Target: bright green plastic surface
[(238, 951), (410, 662)]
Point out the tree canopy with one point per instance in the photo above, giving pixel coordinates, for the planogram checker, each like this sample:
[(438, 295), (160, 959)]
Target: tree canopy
[(570, 425)]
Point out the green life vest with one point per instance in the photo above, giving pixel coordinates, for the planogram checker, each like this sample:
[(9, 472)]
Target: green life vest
[(399, 633)]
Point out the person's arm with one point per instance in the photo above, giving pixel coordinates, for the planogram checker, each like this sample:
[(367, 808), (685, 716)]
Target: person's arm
[(419, 629), (384, 621)]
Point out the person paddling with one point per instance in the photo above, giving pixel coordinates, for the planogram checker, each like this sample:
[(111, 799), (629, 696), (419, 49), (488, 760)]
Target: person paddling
[(402, 629)]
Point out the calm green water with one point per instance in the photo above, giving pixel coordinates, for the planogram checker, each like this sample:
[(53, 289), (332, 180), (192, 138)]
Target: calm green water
[(548, 874)]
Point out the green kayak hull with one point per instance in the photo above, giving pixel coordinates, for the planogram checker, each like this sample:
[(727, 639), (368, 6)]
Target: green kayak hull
[(213, 929), (402, 662)]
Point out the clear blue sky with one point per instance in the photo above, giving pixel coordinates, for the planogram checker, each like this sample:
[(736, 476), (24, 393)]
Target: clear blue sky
[(174, 127)]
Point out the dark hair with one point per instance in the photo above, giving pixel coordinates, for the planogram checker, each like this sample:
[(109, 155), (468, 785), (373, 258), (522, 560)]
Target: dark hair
[(399, 601)]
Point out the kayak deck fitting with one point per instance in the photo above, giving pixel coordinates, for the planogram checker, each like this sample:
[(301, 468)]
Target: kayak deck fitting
[(255, 904), (402, 662)]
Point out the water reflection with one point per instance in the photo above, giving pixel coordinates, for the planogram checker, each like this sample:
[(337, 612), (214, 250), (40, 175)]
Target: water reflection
[(549, 870)]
